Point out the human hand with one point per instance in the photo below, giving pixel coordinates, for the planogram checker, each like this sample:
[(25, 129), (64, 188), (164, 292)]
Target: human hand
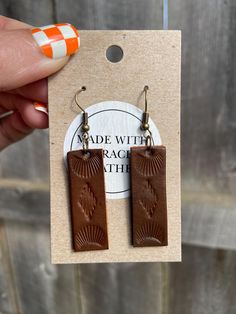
[(27, 57)]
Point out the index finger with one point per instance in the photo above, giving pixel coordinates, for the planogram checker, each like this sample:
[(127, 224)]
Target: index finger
[(37, 91)]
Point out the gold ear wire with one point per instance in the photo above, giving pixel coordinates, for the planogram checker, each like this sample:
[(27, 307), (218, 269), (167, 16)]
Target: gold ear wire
[(83, 88), (146, 88), (145, 125), (85, 126)]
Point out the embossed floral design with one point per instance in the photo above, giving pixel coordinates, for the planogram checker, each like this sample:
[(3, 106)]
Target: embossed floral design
[(149, 163), (85, 166), (90, 235), (149, 234)]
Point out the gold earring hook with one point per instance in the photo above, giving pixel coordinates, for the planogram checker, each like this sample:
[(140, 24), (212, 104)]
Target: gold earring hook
[(145, 120), (145, 125), (146, 88), (83, 88), (85, 126)]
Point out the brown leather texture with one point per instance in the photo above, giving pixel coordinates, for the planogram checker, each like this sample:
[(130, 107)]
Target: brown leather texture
[(87, 200), (148, 190)]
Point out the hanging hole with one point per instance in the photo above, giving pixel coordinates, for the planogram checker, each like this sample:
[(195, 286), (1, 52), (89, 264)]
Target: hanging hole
[(114, 54), (86, 155), (83, 88)]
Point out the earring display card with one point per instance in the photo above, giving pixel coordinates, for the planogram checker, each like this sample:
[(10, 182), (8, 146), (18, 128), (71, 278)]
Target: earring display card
[(114, 101)]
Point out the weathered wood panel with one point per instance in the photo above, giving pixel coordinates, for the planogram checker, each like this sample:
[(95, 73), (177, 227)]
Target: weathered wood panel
[(122, 288), (209, 220), (32, 12), (24, 201), (208, 73), (41, 287), (27, 160), (208, 93), (103, 14), (205, 281), (8, 302)]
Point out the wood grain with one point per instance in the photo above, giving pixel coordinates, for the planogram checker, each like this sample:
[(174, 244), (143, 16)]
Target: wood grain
[(208, 94), (205, 281), (8, 301), (133, 291), (40, 286)]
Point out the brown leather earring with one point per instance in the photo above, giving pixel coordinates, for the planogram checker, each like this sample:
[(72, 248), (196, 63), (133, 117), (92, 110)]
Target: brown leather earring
[(148, 190), (87, 193)]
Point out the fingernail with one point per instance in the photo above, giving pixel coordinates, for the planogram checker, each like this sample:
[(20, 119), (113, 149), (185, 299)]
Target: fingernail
[(57, 40), (41, 107)]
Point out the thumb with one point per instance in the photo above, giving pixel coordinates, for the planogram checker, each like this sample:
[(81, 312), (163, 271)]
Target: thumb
[(28, 55)]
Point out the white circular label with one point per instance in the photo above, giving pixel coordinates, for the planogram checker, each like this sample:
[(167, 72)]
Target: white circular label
[(114, 127)]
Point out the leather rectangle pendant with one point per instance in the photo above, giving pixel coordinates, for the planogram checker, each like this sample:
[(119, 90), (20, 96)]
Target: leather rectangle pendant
[(148, 189), (87, 199)]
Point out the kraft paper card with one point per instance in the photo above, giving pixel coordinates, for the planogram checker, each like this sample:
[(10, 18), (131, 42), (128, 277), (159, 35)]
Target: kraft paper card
[(114, 101)]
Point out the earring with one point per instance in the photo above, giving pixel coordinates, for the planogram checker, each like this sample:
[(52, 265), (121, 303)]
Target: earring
[(148, 189), (87, 193)]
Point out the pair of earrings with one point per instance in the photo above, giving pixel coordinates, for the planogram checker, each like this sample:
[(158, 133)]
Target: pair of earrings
[(148, 192)]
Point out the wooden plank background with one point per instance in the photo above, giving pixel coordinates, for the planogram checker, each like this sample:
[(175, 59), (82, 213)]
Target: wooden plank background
[(205, 282)]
